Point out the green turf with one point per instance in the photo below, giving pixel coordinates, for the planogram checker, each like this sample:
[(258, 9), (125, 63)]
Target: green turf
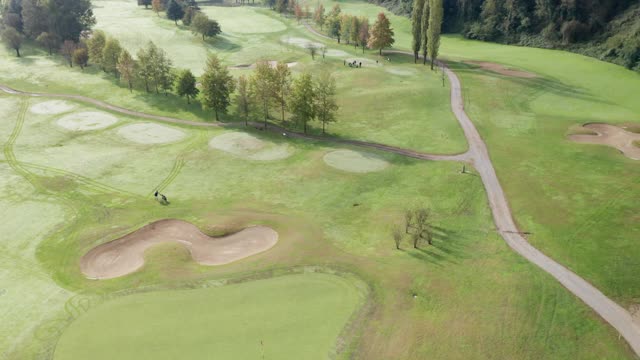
[(476, 299), (289, 317)]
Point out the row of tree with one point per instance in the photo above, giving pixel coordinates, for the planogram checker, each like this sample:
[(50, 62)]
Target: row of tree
[(426, 26), (306, 98), (50, 22), (188, 12), (355, 30)]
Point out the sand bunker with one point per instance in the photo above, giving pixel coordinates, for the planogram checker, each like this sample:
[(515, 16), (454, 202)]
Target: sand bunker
[(272, 64), (250, 147), (610, 135), (355, 161), (501, 69), (126, 255), (85, 121), (400, 72), (150, 133), (52, 107), (300, 42), (335, 53)]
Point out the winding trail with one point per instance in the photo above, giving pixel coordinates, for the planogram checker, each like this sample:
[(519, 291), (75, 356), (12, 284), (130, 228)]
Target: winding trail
[(478, 156)]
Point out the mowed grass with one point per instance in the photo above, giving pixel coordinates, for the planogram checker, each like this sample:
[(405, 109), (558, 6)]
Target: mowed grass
[(288, 317), (469, 286)]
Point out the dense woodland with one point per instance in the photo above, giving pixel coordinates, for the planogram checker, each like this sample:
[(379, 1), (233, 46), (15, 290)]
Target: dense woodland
[(605, 29)]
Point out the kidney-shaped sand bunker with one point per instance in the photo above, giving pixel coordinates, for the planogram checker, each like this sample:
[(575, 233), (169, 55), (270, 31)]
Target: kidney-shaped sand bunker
[(85, 121), (250, 147), (126, 254), (355, 161), (150, 133)]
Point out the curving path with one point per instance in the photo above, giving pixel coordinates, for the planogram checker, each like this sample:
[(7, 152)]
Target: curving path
[(477, 155)]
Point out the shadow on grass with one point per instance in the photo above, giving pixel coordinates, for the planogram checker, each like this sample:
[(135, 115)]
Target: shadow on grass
[(540, 83), (448, 247)]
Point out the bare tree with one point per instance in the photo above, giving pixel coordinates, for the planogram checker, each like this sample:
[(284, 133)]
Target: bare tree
[(313, 50), (418, 225), (397, 236)]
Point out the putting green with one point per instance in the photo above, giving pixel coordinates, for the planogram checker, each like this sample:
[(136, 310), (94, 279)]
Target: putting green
[(243, 20), (293, 317)]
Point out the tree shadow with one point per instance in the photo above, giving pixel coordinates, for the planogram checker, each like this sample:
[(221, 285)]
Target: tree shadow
[(541, 83)]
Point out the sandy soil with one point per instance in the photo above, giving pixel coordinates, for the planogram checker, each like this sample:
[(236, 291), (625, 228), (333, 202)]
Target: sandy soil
[(52, 107), (355, 161), (400, 72), (272, 63), (150, 133), (250, 147), (85, 121), (610, 135), (501, 69), (126, 255)]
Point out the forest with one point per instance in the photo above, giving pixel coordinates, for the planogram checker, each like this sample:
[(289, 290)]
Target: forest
[(605, 29)]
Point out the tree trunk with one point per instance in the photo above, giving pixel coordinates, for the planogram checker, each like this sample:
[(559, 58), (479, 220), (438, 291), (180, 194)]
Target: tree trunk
[(323, 125), (217, 119), (130, 87), (431, 63), (415, 59), (380, 51), (202, 37), (305, 127), (283, 104), (188, 100), (18, 52)]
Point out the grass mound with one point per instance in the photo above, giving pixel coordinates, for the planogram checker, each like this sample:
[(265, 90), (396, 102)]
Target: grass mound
[(355, 161), (249, 147), (289, 317), (150, 133), (51, 107), (86, 121)]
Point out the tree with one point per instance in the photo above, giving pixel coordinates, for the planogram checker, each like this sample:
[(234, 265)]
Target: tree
[(435, 26), (297, 10), (67, 49), (319, 16), (363, 36), (146, 3), (261, 87), (145, 64), (50, 41), (345, 27), (127, 68), (355, 30), (13, 39), (189, 14), (324, 101), (416, 27), (80, 57), (157, 6), (333, 27), (110, 55), (95, 44), (281, 6), (12, 20), (244, 99), (34, 19), (418, 225), (175, 11), (381, 34), (301, 101), (201, 24), (217, 86), (396, 232), (69, 18), (163, 75), (424, 28), (313, 49), (186, 85), (282, 85)]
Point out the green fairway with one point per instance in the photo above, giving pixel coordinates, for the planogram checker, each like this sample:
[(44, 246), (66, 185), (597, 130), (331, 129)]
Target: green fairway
[(74, 176), (289, 317)]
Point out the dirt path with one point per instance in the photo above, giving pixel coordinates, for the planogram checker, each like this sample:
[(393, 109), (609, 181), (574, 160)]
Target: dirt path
[(478, 155)]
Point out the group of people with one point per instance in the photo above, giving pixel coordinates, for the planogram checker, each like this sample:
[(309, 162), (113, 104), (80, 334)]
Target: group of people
[(353, 63)]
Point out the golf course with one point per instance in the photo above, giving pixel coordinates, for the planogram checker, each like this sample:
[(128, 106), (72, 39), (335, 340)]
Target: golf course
[(485, 209)]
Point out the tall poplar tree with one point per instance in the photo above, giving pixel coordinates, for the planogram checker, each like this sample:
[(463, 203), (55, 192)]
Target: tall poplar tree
[(425, 28), (416, 27), (435, 27)]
